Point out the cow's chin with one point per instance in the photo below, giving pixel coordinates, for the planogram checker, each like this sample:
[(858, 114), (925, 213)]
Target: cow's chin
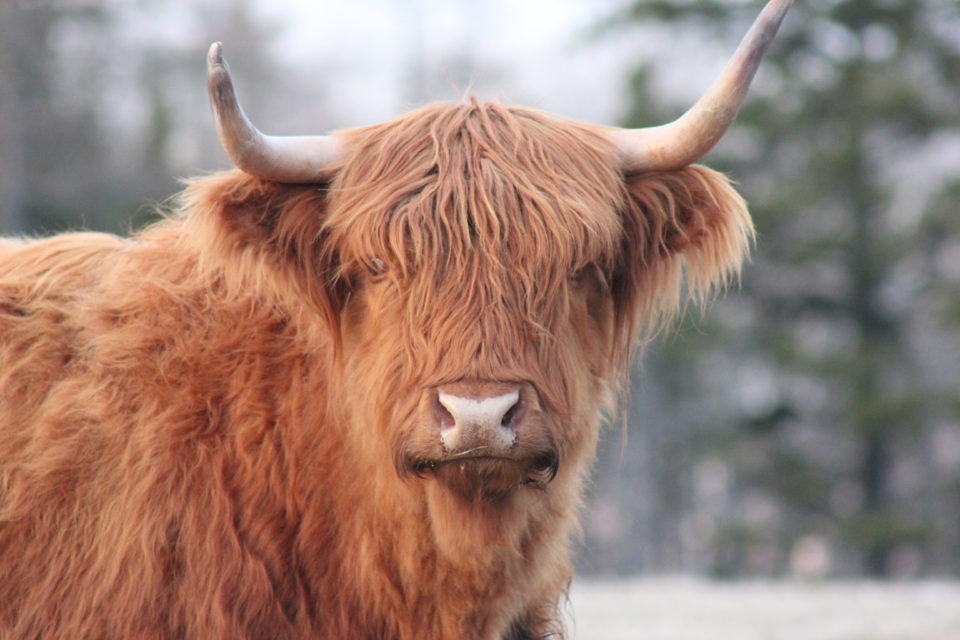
[(489, 479)]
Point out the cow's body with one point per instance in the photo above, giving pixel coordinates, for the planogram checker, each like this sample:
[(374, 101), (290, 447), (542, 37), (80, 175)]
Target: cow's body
[(360, 407), (172, 467)]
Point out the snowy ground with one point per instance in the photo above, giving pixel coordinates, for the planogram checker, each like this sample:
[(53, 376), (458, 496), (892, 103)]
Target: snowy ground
[(681, 609)]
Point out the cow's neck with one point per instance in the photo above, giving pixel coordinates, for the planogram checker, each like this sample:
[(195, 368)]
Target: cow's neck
[(445, 566)]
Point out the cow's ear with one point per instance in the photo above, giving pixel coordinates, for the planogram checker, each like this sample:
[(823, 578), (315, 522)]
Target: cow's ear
[(685, 232), (273, 234), (313, 262)]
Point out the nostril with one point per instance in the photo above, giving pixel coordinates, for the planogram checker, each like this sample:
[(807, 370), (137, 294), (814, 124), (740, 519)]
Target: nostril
[(444, 418), (510, 415)]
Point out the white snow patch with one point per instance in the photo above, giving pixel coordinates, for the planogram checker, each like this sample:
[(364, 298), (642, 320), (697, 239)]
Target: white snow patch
[(689, 609)]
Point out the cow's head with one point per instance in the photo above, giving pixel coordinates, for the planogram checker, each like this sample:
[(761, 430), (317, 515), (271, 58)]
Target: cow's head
[(486, 270)]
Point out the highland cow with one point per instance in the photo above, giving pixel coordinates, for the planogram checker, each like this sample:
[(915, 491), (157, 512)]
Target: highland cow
[(351, 389)]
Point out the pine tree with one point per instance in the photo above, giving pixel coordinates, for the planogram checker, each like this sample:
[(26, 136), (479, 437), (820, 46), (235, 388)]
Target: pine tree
[(828, 389)]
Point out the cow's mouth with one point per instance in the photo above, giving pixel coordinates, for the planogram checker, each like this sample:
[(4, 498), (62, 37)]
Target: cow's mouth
[(487, 477)]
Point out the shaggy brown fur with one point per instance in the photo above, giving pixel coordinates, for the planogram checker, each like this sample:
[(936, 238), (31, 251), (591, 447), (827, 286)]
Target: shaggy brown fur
[(212, 430)]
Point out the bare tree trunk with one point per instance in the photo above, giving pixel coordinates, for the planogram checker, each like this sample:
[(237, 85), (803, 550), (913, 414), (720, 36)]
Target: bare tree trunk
[(13, 124), (875, 332)]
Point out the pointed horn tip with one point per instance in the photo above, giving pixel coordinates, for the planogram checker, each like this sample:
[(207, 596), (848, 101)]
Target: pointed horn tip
[(215, 55), (778, 8)]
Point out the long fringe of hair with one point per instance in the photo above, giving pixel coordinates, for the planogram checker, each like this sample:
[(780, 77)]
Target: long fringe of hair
[(465, 192)]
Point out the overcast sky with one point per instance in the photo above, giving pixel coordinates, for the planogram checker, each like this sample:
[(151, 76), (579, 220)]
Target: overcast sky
[(337, 65), (534, 52)]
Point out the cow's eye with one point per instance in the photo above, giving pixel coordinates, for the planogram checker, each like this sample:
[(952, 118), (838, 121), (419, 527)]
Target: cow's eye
[(377, 267), (589, 273), (579, 273)]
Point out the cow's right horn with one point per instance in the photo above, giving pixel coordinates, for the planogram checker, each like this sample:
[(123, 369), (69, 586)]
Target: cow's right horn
[(689, 138), (295, 159)]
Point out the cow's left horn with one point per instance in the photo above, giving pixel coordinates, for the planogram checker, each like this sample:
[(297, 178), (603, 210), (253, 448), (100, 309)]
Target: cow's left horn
[(296, 159), (689, 138)]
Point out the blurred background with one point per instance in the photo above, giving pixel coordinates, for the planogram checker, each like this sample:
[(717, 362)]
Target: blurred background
[(807, 425)]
